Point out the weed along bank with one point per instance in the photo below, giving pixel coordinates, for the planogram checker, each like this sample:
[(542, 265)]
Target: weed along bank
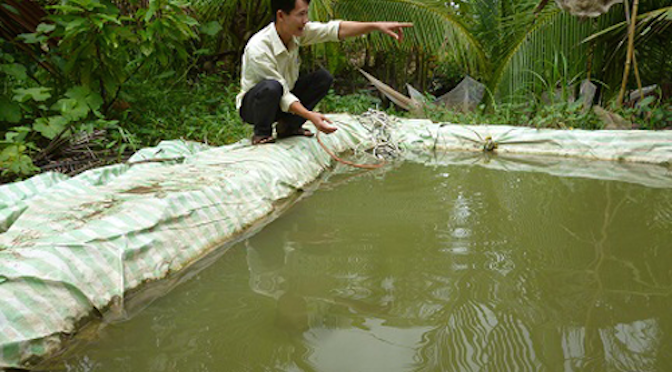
[(105, 249)]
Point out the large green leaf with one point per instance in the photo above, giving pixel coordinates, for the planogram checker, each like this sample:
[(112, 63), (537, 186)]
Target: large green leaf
[(33, 38), (14, 70), (71, 108), (10, 8), (50, 127), (211, 28), (38, 94), (9, 111), (15, 160), (45, 28), (18, 134), (85, 96)]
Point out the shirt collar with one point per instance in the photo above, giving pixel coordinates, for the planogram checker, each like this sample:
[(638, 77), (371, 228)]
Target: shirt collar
[(276, 42)]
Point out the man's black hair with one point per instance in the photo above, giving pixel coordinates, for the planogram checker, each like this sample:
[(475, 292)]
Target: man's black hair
[(285, 5)]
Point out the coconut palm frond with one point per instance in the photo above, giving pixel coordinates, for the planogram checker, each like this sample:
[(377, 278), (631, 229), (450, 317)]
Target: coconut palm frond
[(653, 57), (660, 17), (542, 45), (437, 29), (498, 22), (321, 10), (652, 42), (655, 21)]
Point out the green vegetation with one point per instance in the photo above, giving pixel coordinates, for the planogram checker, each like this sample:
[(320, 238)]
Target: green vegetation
[(86, 82), (558, 116), (354, 103), (63, 79), (204, 111)]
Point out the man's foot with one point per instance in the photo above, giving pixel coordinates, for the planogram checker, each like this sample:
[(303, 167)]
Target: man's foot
[(296, 132), (261, 140)]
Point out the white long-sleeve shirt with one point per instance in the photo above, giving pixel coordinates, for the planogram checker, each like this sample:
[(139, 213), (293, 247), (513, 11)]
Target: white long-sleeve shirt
[(266, 57)]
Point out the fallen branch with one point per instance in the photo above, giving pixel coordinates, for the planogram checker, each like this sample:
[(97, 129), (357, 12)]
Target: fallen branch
[(156, 160)]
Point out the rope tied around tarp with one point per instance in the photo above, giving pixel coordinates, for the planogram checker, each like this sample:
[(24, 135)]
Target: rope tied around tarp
[(489, 144), (379, 126)]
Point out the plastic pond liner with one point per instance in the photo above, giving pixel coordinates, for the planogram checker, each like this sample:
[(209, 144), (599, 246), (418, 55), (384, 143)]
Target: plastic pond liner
[(76, 249)]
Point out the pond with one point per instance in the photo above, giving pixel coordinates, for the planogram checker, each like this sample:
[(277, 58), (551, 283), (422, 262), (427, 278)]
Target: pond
[(423, 268)]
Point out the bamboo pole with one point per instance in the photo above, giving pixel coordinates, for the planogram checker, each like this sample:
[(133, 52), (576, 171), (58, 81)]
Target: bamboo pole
[(634, 57), (637, 77), (630, 52)]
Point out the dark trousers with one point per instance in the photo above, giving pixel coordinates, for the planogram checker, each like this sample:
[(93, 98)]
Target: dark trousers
[(261, 104)]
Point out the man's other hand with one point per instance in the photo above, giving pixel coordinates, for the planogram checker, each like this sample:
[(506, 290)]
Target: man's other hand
[(322, 122)]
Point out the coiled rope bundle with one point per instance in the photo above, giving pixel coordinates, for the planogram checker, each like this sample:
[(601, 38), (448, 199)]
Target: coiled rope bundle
[(379, 126)]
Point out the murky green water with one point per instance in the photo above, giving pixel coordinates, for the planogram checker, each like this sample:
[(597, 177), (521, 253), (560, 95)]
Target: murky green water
[(425, 269)]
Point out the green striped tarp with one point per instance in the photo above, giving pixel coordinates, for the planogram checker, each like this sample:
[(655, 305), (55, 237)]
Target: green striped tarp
[(70, 247), (74, 246)]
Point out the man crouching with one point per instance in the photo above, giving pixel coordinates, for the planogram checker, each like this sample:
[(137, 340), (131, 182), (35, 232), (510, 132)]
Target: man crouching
[(271, 88)]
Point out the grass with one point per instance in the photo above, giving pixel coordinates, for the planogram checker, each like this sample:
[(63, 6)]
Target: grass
[(529, 114), (204, 111), (352, 103)]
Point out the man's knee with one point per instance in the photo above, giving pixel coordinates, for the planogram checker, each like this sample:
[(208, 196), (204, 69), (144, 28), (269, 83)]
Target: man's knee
[(324, 77), (270, 87), (261, 102)]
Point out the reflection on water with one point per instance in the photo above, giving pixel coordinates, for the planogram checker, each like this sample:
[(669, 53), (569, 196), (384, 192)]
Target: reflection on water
[(424, 269)]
